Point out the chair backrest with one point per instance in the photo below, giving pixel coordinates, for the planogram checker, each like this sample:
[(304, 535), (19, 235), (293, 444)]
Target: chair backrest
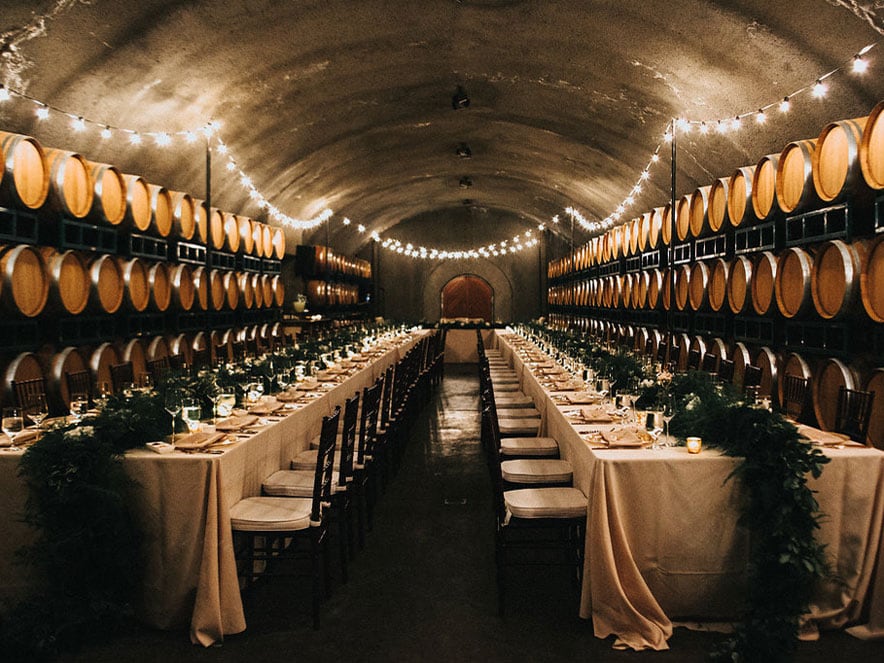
[(201, 358), (649, 347), (661, 351), (159, 367), (368, 423), (726, 370), (79, 382), (491, 429), (387, 396), (121, 376), (751, 377), (854, 413), (348, 440), (674, 356), (693, 360), (26, 391), (795, 389), (709, 362), (238, 349), (325, 461)]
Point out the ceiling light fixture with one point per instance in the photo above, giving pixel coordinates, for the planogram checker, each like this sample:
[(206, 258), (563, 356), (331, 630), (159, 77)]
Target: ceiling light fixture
[(460, 100), (463, 151)]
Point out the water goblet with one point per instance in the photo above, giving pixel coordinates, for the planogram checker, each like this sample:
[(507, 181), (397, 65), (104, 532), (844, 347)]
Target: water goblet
[(103, 392), (37, 409), (12, 423), (668, 413), (79, 405), (172, 404), (224, 403), (190, 413)]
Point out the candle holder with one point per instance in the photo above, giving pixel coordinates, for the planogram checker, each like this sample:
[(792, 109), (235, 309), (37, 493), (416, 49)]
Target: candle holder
[(694, 445)]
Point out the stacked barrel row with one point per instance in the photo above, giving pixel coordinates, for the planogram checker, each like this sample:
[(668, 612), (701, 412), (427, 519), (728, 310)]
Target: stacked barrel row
[(844, 163), (52, 181), (332, 279), (97, 359), (825, 375)]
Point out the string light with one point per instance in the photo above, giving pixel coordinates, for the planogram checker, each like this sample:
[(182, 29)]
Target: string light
[(785, 105), (4, 93), (78, 124), (860, 64), (42, 112), (819, 89)]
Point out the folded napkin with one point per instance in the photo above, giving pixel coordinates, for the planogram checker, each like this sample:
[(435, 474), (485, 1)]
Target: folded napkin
[(308, 385), (235, 423), (266, 407), (287, 396), (825, 438), (198, 440), (25, 437), (595, 414), (567, 385), (583, 397), (625, 437)]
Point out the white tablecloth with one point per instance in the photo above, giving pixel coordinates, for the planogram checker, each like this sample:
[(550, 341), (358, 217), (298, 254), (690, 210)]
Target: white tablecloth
[(662, 541)]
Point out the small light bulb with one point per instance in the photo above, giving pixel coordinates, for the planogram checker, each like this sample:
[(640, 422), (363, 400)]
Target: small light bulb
[(360, 228), (704, 128), (106, 133), (222, 148), (736, 123), (555, 219), (135, 139), (819, 89), (760, 117), (785, 105), (42, 112), (78, 124), (163, 139), (655, 158), (667, 137), (683, 125), (190, 136), (645, 175), (230, 166), (346, 221), (541, 227), (860, 65)]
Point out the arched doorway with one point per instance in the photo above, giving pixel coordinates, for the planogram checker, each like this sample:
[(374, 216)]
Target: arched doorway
[(468, 296)]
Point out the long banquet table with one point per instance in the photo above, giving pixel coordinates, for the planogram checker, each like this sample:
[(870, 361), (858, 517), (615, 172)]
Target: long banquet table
[(662, 541), (183, 506)]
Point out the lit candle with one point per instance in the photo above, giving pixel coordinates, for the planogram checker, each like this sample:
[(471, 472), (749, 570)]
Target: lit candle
[(694, 444)]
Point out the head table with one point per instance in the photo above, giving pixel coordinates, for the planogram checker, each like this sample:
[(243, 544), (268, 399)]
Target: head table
[(662, 541), (183, 502)]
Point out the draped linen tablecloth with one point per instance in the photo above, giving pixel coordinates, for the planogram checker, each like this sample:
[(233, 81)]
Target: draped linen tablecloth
[(662, 540), (183, 505)]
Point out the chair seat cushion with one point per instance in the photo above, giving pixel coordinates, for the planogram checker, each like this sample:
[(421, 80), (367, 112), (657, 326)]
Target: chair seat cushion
[(506, 387), (306, 460), (545, 503), (314, 443), (532, 470), (507, 401), (519, 427), (529, 446), (270, 514), (517, 413), (293, 483)]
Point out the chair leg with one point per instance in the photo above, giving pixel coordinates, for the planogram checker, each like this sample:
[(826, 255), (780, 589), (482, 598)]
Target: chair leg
[(342, 541), (317, 585)]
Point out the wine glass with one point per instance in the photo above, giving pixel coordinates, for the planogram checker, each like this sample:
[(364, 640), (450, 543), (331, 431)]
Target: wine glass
[(225, 401), (12, 423), (37, 410), (172, 405), (254, 391), (79, 405), (190, 413), (103, 392), (668, 413)]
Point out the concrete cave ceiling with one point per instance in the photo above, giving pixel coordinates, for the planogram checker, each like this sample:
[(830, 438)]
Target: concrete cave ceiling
[(347, 104)]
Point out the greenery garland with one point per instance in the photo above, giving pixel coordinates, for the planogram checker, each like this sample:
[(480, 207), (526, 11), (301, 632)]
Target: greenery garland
[(780, 510)]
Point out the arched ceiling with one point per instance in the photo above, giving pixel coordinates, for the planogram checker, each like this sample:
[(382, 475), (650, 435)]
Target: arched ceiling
[(348, 103)]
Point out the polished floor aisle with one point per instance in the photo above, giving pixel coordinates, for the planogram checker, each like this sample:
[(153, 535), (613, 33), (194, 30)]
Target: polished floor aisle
[(423, 588)]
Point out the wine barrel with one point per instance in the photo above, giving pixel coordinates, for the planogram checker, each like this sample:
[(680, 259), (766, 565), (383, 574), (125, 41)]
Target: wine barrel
[(625, 300), (835, 277), (183, 215), (871, 150), (717, 209), (70, 183), (265, 334), (698, 222), (100, 362), (202, 221), (24, 282), (830, 375), (136, 284), (655, 288), (625, 239), (656, 338), (157, 348), (246, 290), (68, 281), (640, 339), (106, 289), (231, 290), (765, 273), (739, 282), (183, 291), (180, 346), (634, 230), (109, 194), (794, 364), (768, 362), (160, 286), (217, 239), (644, 229), (263, 296), (741, 358), (682, 286), (764, 187), (718, 347), (876, 421), (200, 278), (67, 360), (666, 223), (244, 230), (792, 285), (231, 233), (871, 281), (683, 217), (655, 228), (201, 341), (25, 177), (138, 203), (258, 229), (795, 190), (24, 366), (683, 342), (698, 344), (222, 343), (740, 210), (162, 212), (640, 290), (717, 288), (698, 286), (133, 351), (616, 284), (836, 166)]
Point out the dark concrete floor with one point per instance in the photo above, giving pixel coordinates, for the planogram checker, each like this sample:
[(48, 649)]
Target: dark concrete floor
[(423, 589)]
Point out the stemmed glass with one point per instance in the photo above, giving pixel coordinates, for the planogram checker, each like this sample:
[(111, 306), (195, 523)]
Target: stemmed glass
[(224, 404), (79, 405), (37, 409), (103, 392), (668, 413), (190, 413), (172, 403), (12, 423)]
